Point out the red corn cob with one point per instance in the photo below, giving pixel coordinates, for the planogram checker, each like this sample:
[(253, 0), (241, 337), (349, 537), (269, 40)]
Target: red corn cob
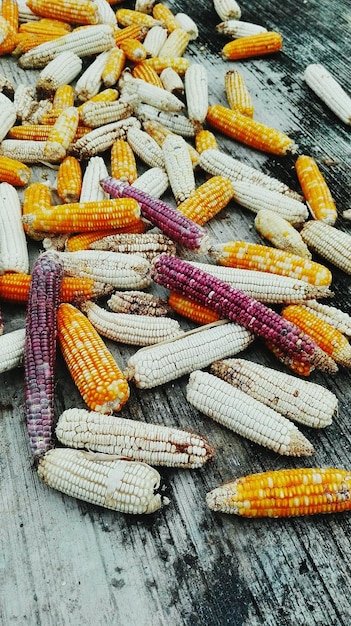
[(40, 350), (170, 220), (233, 304)]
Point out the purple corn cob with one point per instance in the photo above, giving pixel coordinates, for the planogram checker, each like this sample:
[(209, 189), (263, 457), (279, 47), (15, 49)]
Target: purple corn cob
[(40, 350), (169, 219), (233, 304)]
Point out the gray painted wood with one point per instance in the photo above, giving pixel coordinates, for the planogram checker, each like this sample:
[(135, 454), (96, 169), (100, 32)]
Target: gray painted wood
[(63, 561)]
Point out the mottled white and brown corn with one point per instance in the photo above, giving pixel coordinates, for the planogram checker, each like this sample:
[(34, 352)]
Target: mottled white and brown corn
[(175, 44), (104, 480), (300, 400), (155, 96), (237, 93), (139, 303), (62, 70), (100, 139), (207, 200), (159, 364), (71, 11), (154, 181), (172, 82), (227, 9), (8, 115), (176, 122), (205, 140), (147, 245), (14, 255), (61, 135), (12, 349), (329, 242), (329, 90), (123, 163), (23, 100), (95, 114), (196, 92), (154, 40), (334, 316), (91, 190), (132, 439), (6, 87), (280, 233), (179, 167), (145, 147), (237, 28), (69, 180), (114, 66), (245, 415)]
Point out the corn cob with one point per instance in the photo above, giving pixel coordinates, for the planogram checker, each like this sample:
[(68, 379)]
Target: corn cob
[(331, 314), (106, 95), (129, 17), (329, 242), (237, 94), (227, 9), (61, 135), (192, 310), (133, 49), (138, 303), (205, 140), (169, 360), (62, 70), (154, 40), (236, 306), (175, 122), (171, 81), (207, 200), (40, 350), (36, 197), (13, 246), (69, 180), (178, 166), (100, 139), (145, 6), (40, 132), (134, 31), (163, 14), (265, 259), (248, 131), (147, 74), (90, 82), (329, 90), (215, 161), (155, 96), (170, 221), (123, 163), (7, 115), (175, 44), (284, 493), (148, 245), (10, 13), (159, 132), (77, 12), (6, 87), (185, 22), (154, 182), (145, 147), (104, 480), (11, 349), (280, 233), (14, 172), (23, 100), (4, 29), (91, 190), (106, 14), (63, 97), (332, 341), (95, 114), (252, 46), (113, 67), (238, 28), (24, 42), (196, 92), (83, 241), (299, 400), (26, 151), (315, 190), (84, 42)]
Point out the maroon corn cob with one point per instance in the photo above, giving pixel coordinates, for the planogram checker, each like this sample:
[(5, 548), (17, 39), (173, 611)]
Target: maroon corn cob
[(169, 219), (233, 304), (40, 350)]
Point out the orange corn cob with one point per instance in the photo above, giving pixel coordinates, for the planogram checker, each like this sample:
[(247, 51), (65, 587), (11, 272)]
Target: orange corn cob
[(24, 42), (123, 163), (36, 197), (14, 172), (83, 240), (44, 27), (69, 180), (315, 190), (114, 67), (14, 288), (10, 13), (39, 132), (61, 134), (133, 49), (248, 131), (284, 493), (192, 310), (147, 73), (205, 140), (164, 15), (331, 340), (265, 259), (237, 93), (71, 11), (92, 367), (134, 31), (207, 200), (252, 46)]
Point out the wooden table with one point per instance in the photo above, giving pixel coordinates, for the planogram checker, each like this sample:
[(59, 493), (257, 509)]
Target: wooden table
[(63, 561)]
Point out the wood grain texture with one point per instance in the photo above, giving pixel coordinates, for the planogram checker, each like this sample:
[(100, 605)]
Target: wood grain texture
[(64, 562)]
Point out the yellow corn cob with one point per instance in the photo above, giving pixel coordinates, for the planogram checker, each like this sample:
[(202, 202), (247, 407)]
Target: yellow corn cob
[(63, 97), (315, 189), (24, 42), (332, 341), (71, 11), (14, 172), (36, 198), (163, 14), (133, 49), (196, 91), (12, 349), (207, 200), (265, 259), (61, 135), (284, 493), (329, 242), (205, 140), (178, 166), (123, 164), (62, 70), (83, 241), (333, 315), (134, 31), (114, 67), (128, 17), (238, 28), (159, 63), (248, 131), (252, 46), (69, 180), (175, 44), (10, 13), (171, 81), (192, 310), (147, 245), (92, 367), (227, 9), (138, 303), (280, 233), (329, 90), (154, 40), (147, 73), (13, 246), (237, 94), (44, 24)]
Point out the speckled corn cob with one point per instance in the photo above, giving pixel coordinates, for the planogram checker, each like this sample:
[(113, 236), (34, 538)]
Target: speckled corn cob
[(113, 67), (233, 304), (245, 415), (107, 481), (138, 303), (329, 90), (94, 114), (249, 46), (61, 135), (40, 350), (175, 44), (299, 400), (147, 73), (329, 242), (147, 245), (69, 180), (280, 233), (72, 12), (13, 246), (205, 140), (179, 168), (11, 349), (100, 139), (128, 17), (179, 124), (123, 162)]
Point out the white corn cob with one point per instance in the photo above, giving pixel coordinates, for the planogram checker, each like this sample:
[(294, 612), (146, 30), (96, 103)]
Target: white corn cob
[(245, 415), (26, 151), (62, 70), (237, 28), (90, 82), (154, 40), (329, 90), (11, 349), (94, 114), (172, 81), (138, 441), (280, 233), (185, 22), (84, 42), (147, 245), (137, 330), (91, 189), (145, 147), (23, 99), (61, 135), (178, 166), (106, 14), (6, 87), (265, 286), (175, 44), (144, 6), (25, 14), (329, 242), (196, 92), (8, 115), (299, 400), (101, 138), (37, 111), (256, 197), (13, 245), (160, 132), (105, 480), (217, 162), (123, 271), (332, 315), (153, 181), (159, 364), (153, 95), (347, 214), (177, 123), (227, 9), (139, 303)]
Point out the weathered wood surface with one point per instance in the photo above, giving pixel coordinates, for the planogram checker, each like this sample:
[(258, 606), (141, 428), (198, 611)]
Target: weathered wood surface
[(66, 562)]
